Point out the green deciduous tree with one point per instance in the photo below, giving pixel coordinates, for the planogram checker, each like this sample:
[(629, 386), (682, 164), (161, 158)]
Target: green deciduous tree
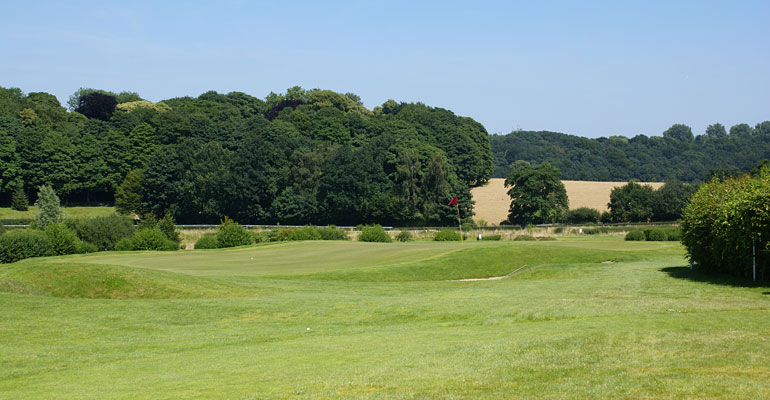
[(537, 194), (631, 203)]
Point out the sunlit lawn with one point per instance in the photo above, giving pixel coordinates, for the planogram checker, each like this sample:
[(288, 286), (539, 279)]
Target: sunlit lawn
[(583, 318)]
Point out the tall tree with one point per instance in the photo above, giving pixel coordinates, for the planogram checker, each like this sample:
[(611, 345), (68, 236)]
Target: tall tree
[(537, 194)]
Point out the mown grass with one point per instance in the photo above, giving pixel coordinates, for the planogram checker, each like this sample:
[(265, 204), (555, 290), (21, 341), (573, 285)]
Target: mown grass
[(570, 326)]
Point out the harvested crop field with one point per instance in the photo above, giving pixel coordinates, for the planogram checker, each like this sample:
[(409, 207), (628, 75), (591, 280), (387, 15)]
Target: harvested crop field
[(492, 201)]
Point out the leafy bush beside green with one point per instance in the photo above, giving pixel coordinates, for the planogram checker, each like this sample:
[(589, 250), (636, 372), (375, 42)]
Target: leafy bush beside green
[(207, 241), (331, 232), (63, 239), (24, 243), (232, 234), (103, 232), (374, 233), (447, 235), (404, 236), (635, 235), (655, 235), (305, 233)]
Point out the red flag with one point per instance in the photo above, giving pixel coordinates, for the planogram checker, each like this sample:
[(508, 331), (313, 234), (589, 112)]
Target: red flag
[(454, 201)]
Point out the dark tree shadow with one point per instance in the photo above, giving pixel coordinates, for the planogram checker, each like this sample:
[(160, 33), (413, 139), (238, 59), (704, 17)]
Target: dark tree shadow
[(716, 279)]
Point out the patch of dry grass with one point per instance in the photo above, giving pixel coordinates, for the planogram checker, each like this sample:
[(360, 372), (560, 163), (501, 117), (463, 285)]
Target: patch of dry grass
[(492, 201)]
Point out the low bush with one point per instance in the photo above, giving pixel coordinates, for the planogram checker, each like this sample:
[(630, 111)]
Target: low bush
[(305, 233), (491, 237), (635, 235), (85, 247), (207, 241), (374, 233), (558, 230), (63, 240), (674, 235), (2, 228), (447, 235), (655, 235), (147, 239), (404, 236), (545, 238), (280, 234), (24, 243), (582, 215), (232, 234), (104, 232), (524, 238), (331, 232)]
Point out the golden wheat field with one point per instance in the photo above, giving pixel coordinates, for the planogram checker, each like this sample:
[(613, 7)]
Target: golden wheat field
[(492, 201)]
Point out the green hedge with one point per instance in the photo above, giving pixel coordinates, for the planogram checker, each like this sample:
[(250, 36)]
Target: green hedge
[(24, 243), (147, 239), (722, 220), (447, 235), (491, 237), (207, 241)]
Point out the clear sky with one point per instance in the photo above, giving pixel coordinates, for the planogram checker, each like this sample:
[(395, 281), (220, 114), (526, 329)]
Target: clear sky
[(584, 67)]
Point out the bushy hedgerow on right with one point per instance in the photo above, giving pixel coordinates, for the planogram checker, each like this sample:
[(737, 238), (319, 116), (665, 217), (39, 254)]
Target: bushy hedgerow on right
[(722, 220)]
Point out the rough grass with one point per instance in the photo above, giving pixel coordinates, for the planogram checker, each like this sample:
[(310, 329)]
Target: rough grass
[(7, 213), (571, 326)]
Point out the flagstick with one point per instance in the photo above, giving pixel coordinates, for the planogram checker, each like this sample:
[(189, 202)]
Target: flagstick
[(458, 221)]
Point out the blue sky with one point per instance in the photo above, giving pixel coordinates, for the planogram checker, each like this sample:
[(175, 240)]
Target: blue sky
[(586, 68)]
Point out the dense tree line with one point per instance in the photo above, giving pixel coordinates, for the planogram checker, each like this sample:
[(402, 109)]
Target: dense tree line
[(304, 156), (678, 154)]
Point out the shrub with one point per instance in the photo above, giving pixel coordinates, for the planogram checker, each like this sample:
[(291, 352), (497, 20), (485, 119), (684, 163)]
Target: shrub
[(582, 215), (331, 232), (19, 200), (259, 237), (63, 240), (85, 247), (491, 237), (558, 230), (305, 233), (49, 207), (722, 221), (606, 217), (674, 235), (207, 241), (404, 236), (374, 233), (279, 234), (525, 238), (167, 226), (635, 235), (23, 243), (232, 234), (104, 232), (655, 235), (2, 228), (147, 239), (447, 235)]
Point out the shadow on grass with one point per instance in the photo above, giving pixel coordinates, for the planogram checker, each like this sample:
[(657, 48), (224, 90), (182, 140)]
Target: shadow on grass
[(716, 279)]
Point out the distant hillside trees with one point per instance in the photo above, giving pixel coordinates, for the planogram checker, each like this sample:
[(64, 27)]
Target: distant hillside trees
[(304, 156), (676, 155)]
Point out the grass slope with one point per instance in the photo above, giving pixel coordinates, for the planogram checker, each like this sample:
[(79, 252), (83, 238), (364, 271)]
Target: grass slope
[(573, 327)]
